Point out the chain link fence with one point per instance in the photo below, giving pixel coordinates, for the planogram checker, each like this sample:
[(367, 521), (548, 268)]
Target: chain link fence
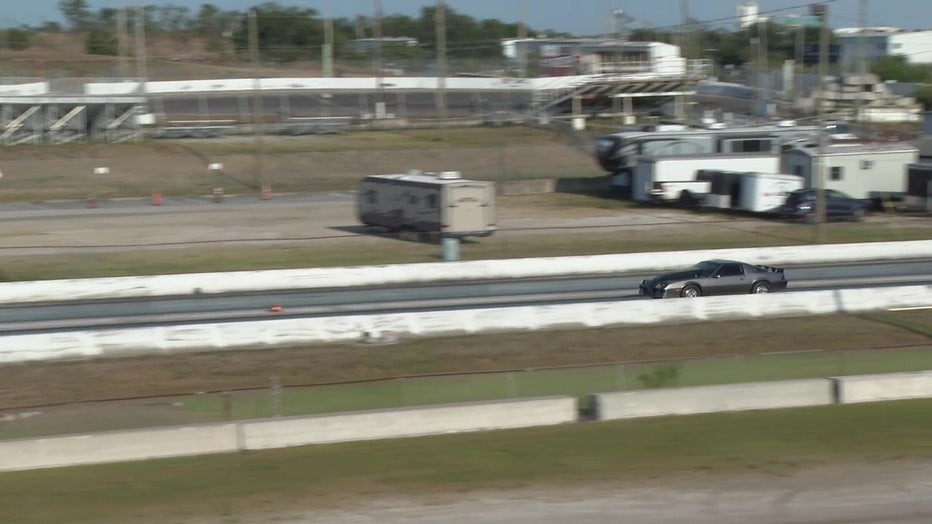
[(275, 399)]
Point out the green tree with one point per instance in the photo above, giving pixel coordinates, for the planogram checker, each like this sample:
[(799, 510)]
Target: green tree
[(899, 69), (18, 39), (101, 42), (76, 12), (284, 33), (924, 96)]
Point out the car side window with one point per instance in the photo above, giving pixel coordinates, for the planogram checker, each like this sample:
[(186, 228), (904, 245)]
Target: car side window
[(730, 270)]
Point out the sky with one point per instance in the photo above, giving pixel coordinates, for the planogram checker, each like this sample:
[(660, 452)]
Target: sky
[(579, 17)]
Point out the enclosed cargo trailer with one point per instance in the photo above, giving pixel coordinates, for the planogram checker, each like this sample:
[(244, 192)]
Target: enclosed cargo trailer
[(444, 203)]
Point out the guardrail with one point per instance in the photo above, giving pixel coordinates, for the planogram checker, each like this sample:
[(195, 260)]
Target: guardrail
[(343, 277)]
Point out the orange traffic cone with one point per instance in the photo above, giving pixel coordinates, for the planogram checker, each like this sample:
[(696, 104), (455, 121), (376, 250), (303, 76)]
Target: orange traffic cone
[(266, 192), (156, 198), (92, 201)]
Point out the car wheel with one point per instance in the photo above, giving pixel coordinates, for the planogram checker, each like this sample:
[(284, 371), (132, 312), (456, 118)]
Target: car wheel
[(811, 217), (760, 288), (690, 291)]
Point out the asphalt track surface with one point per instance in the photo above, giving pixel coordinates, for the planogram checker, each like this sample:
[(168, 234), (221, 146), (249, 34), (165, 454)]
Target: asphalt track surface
[(410, 298)]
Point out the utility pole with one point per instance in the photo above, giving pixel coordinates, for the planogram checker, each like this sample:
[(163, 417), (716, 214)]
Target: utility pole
[(141, 48), (377, 62), (762, 86), (327, 52), (122, 42), (257, 97), (440, 21), (684, 28), (821, 10), (862, 47), (522, 39)]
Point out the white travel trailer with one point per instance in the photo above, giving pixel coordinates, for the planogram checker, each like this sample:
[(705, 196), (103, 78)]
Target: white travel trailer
[(618, 153), (443, 203), (869, 171), (748, 191), (674, 178), (919, 187)]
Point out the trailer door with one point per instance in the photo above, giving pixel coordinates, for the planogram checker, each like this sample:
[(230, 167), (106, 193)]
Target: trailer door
[(468, 209)]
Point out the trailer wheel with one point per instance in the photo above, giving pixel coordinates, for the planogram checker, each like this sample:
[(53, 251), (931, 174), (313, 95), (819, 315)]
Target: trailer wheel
[(687, 199)]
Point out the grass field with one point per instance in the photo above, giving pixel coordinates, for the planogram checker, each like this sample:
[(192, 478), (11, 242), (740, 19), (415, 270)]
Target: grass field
[(232, 488), (579, 381)]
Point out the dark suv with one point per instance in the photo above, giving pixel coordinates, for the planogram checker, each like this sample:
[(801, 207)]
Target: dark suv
[(802, 204)]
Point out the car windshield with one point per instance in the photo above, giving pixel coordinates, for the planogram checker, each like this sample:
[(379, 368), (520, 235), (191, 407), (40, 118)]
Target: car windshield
[(706, 268)]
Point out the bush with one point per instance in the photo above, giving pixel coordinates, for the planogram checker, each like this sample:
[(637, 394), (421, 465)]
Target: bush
[(660, 377)]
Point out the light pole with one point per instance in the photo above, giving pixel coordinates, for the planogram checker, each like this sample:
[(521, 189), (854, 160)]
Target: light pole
[(92, 198), (216, 171)]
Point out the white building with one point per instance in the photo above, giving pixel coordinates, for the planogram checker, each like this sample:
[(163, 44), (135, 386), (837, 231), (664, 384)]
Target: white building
[(878, 42)]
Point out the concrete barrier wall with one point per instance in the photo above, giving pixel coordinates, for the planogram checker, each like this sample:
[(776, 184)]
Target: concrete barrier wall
[(117, 446), (283, 332), (888, 386), (409, 422), (708, 399), (342, 277)]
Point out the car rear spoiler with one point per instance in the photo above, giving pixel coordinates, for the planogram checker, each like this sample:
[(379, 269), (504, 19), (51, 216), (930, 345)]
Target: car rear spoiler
[(771, 269)]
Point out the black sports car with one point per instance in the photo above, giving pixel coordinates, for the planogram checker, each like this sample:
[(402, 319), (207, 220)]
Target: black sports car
[(715, 277)]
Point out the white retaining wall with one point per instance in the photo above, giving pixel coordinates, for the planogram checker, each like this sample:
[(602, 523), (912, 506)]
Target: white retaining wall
[(408, 422), (226, 85), (708, 399), (143, 444), (271, 333), (117, 446), (341, 277), (888, 386)]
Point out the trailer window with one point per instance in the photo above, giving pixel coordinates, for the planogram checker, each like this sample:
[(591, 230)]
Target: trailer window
[(750, 145), (836, 173), (432, 201), (412, 199)]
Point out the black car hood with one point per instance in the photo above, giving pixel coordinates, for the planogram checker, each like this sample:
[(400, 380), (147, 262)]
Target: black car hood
[(673, 276)]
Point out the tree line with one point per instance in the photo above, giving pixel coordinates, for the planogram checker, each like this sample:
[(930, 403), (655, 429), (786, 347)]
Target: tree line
[(288, 33)]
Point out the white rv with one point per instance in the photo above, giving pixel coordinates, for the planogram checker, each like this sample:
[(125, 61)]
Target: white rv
[(748, 191), (868, 171), (674, 178), (618, 153), (444, 203)]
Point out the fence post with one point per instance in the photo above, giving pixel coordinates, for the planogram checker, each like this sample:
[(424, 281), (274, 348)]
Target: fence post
[(399, 382), (227, 401), (512, 387), (276, 392)]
